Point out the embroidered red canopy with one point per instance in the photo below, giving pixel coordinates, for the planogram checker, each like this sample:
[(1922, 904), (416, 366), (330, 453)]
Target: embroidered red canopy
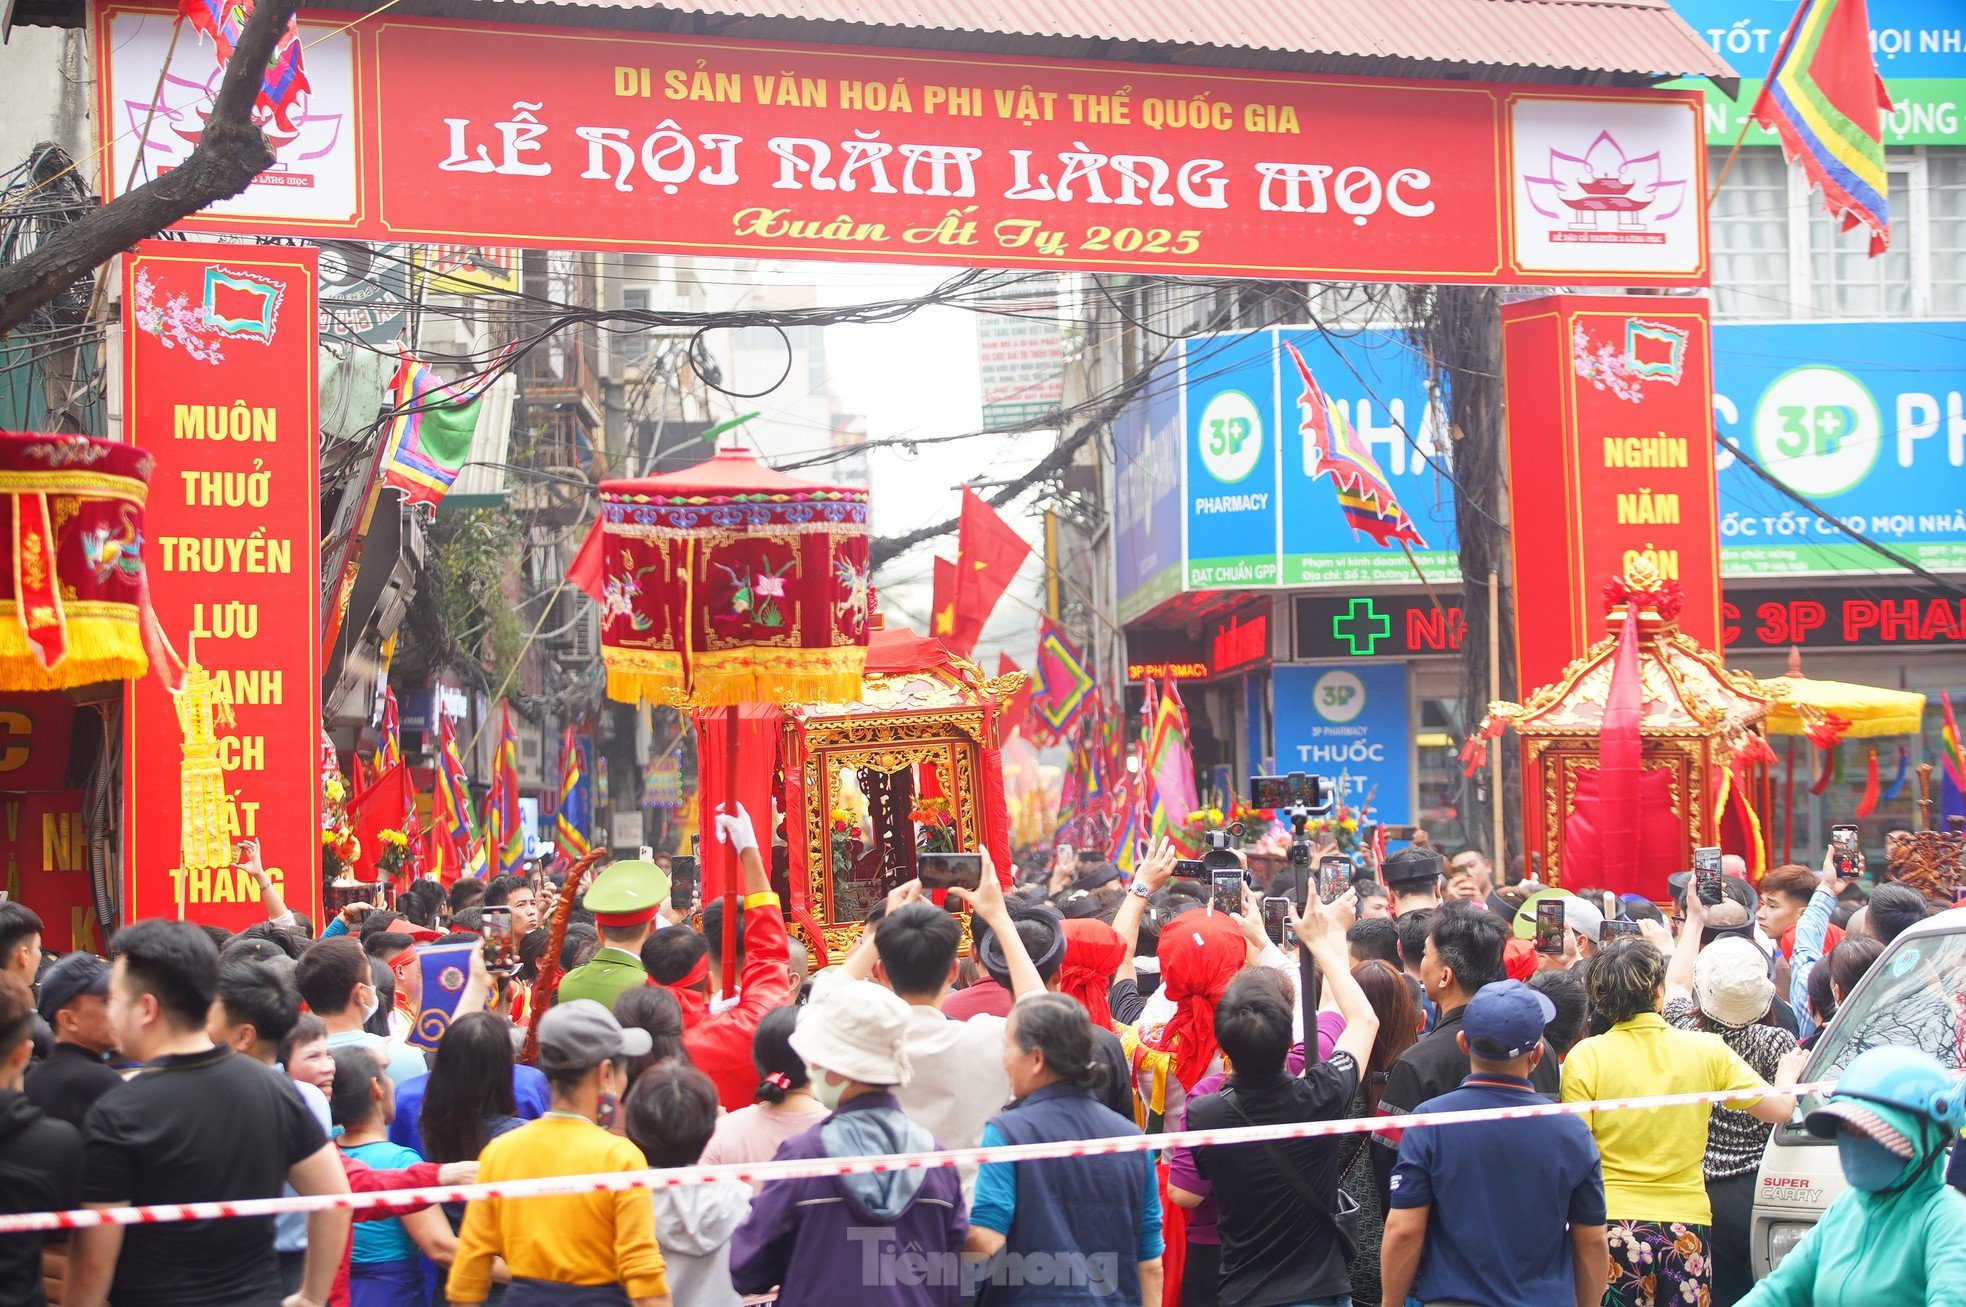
[(730, 583)]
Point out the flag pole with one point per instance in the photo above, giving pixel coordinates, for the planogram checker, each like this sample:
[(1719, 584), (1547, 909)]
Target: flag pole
[(1774, 69)]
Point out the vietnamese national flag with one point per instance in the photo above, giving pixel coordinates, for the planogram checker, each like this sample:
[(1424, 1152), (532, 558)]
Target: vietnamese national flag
[(942, 607), (389, 803), (1016, 714), (988, 554)]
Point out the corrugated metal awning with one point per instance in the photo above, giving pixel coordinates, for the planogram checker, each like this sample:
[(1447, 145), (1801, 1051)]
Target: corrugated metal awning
[(1510, 40), (1572, 41)]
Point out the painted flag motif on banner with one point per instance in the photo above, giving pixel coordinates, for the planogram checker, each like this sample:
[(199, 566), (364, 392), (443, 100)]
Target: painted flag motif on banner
[(1824, 99), (505, 842), (1363, 492), (429, 439), (444, 970), (571, 823), (286, 74), (1063, 684)]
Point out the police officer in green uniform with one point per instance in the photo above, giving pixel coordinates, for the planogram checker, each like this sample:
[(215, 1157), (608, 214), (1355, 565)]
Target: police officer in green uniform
[(624, 900)]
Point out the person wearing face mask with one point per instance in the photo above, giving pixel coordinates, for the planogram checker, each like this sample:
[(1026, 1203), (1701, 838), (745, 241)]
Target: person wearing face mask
[(567, 1250), (1898, 1234), (852, 1238), (336, 984)]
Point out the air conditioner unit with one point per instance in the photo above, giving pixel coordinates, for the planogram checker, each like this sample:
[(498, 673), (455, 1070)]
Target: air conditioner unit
[(584, 640)]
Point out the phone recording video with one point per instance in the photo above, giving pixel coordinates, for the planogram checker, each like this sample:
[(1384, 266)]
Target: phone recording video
[(1298, 789), (1549, 926), (949, 870), (1843, 843), (1616, 927), (685, 874), (1706, 874), (1276, 918), (1225, 890), (501, 950), (1334, 877)]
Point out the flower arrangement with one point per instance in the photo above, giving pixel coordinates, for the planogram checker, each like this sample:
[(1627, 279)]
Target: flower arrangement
[(843, 842), (340, 850), (394, 853), (935, 823)]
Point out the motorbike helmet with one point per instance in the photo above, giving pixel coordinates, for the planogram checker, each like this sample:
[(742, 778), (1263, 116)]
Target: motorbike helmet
[(1903, 1079)]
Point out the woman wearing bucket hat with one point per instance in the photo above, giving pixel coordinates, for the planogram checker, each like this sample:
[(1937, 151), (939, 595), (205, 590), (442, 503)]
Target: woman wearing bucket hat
[(1898, 1234), (1723, 988), (567, 1250), (852, 1238)]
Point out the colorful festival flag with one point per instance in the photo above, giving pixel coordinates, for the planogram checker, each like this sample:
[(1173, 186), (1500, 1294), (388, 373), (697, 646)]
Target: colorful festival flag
[(1363, 492), (1824, 99), (1950, 754), (286, 75), (1170, 767), (571, 823), (505, 841), (455, 847), (443, 970), (1063, 686), (389, 735), (429, 438)]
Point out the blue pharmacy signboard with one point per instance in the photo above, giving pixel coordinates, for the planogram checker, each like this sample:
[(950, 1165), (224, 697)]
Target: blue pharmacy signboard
[(1350, 722), (1230, 399), (1214, 472), (1866, 420)]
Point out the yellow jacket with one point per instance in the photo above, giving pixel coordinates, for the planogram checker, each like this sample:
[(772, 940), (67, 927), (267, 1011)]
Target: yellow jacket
[(592, 1238)]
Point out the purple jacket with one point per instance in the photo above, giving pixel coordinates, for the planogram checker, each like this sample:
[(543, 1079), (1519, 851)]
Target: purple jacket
[(888, 1240)]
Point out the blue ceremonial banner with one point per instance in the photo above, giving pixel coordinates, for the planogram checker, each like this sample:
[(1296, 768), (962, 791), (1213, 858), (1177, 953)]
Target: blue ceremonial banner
[(442, 971)]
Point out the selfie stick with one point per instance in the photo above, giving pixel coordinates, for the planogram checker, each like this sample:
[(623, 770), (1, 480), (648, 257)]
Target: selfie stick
[(1309, 983)]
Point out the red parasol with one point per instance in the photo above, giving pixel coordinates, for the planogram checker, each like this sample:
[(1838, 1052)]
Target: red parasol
[(723, 585)]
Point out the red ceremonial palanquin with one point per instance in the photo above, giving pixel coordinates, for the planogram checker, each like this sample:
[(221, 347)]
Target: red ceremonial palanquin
[(730, 583)]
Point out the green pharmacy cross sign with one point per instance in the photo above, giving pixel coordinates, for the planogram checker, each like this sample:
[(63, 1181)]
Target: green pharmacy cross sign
[(1362, 626)]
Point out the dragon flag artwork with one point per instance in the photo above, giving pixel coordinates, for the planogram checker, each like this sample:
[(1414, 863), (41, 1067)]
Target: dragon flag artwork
[(1825, 101), (1363, 491), (286, 74)]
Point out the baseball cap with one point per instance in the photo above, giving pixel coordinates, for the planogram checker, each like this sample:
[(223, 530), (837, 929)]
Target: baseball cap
[(580, 1033), (68, 979), (1505, 1020), (1584, 917)]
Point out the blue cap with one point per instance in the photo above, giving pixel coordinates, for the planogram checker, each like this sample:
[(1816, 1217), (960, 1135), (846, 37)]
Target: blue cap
[(1505, 1020)]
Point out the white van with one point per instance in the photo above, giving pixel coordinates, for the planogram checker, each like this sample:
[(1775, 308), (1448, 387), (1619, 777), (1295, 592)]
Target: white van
[(1915, 995)]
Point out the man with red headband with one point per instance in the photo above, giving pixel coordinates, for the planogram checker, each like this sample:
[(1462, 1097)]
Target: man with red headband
[(678, 959), (624, 900)]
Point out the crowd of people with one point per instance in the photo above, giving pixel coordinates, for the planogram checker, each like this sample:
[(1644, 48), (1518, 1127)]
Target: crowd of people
[(197, 1065)]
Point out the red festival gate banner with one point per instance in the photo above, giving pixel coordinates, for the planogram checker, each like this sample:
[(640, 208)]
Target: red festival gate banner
[(1610, 431), (419, 129), (219, 386)]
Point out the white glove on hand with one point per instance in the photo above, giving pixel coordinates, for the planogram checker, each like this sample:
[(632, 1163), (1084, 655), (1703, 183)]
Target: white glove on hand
[(736, 831)]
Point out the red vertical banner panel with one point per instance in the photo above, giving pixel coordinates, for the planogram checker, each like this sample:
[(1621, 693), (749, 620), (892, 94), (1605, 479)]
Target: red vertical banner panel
[(1610, 429), (219, 385)]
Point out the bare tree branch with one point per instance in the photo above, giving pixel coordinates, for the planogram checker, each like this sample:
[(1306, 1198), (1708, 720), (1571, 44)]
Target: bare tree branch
[(230, 153)]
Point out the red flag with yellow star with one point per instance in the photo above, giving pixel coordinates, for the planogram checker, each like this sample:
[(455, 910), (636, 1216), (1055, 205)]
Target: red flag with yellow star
[(988, 554)]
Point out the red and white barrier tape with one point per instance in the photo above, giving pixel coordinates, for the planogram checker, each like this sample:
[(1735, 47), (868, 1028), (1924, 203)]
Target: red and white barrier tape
[(831, 1166)]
